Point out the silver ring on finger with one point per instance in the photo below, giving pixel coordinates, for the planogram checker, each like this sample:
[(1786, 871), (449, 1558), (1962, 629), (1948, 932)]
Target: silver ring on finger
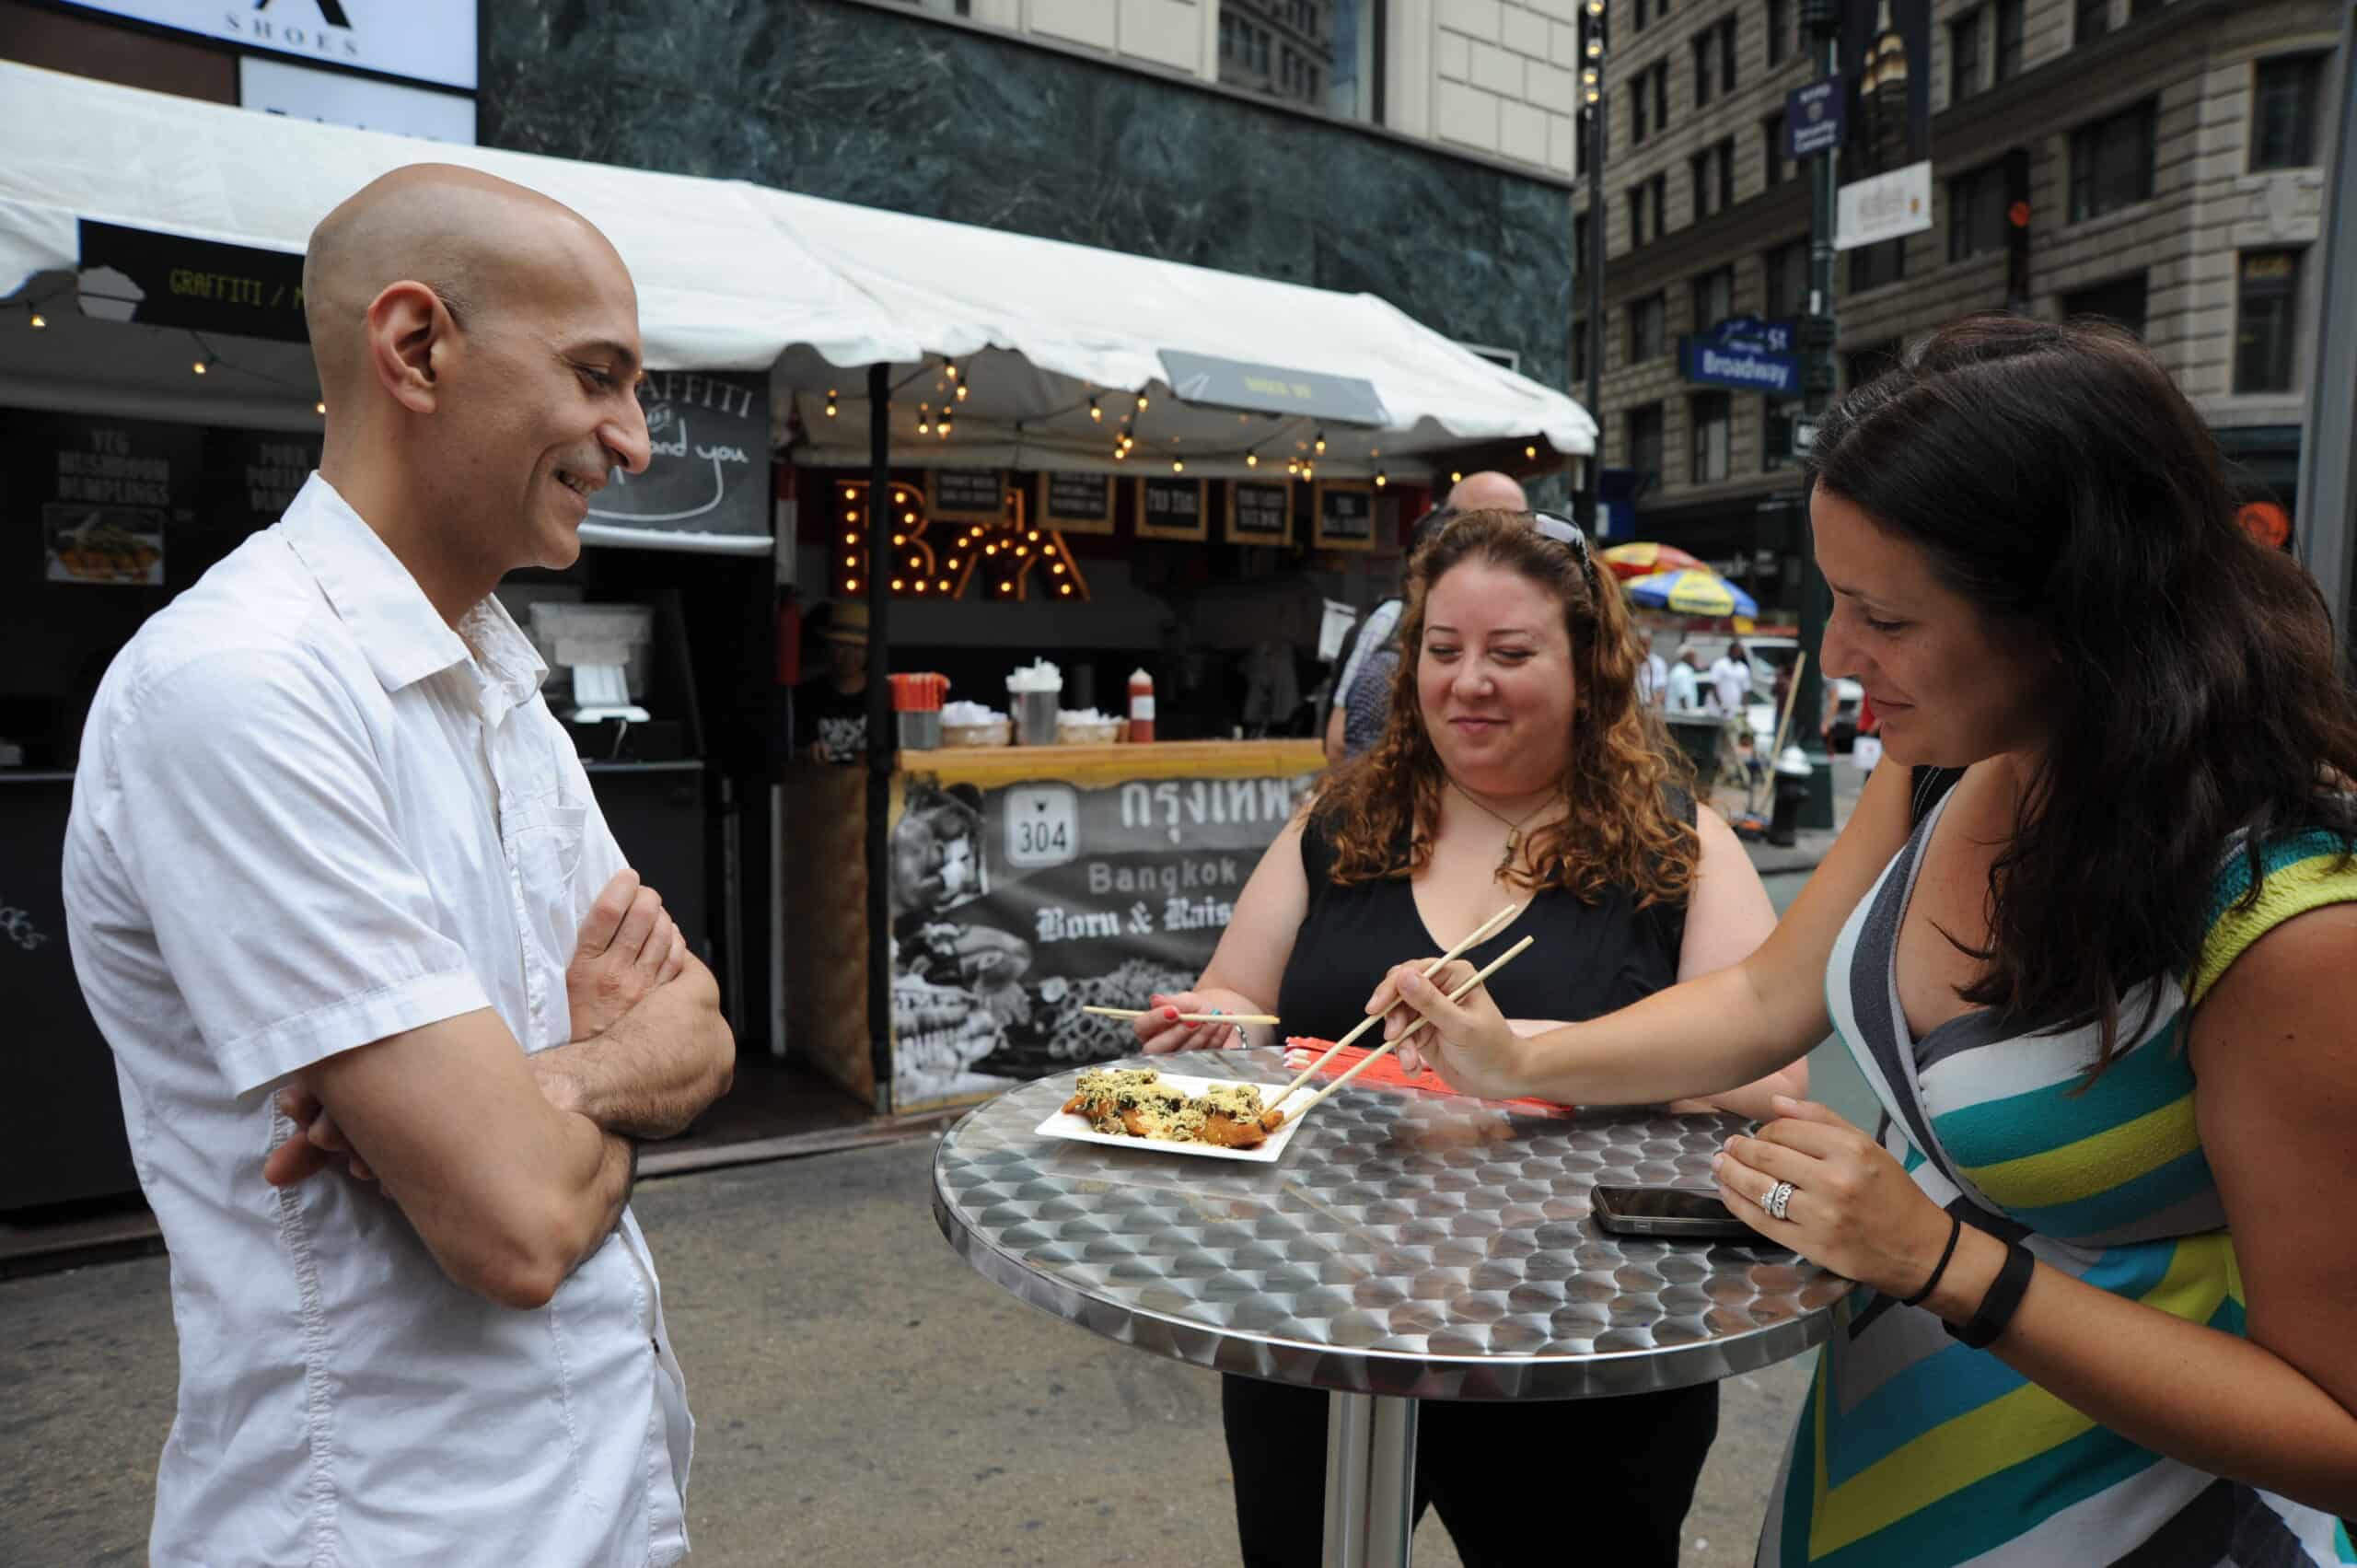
[(1779, 1198)]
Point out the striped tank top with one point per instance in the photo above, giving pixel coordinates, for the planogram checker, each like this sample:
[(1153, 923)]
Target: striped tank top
[(1913, 1450)]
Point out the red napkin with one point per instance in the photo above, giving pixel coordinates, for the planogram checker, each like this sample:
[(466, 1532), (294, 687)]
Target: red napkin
[(1387, 1073)]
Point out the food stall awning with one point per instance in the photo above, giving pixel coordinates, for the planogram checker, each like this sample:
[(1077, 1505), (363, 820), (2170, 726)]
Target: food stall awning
[(736, 276), (1040, 326)]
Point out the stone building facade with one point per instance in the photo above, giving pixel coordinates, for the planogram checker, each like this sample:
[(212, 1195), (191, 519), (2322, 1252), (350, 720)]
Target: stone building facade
[(2173, 157)]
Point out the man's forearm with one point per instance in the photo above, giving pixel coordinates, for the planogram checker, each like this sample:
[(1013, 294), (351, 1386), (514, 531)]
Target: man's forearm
[(655, 1070), (609, 1193)]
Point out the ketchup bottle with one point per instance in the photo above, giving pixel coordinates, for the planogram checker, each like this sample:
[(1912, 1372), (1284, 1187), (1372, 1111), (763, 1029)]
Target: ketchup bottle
[(1141, 706)]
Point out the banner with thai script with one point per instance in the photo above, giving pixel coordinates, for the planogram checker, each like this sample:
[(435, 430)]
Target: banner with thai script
[(1015, 906)]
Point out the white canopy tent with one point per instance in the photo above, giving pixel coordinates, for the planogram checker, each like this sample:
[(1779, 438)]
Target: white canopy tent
[(737, 277)]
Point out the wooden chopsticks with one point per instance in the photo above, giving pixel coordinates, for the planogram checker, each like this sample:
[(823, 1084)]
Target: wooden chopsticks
[(1389, 1046), (1185, 1018), (1480, 934)]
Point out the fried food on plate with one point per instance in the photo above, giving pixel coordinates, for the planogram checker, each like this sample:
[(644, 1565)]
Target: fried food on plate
[(1137, 1102)]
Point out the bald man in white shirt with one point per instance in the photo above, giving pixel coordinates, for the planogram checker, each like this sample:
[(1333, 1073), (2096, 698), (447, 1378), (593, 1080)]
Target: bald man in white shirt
[(387, 1011)]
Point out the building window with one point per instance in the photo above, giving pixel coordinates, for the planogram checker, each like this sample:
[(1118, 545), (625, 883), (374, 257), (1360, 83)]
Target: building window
[(1714, 297), (1699, 166), (2009, 40), (1636, 215), (1771, 150), (1780, 30), (1579, 144), (1964, 55), (1785, 278), (1872, 266), (1714, 425), (1640, 17), (1324, 54), (1661, 93), (1726, 54), (2266, 296), (1579, 351), (1726, 173), (2139, 9), (1579, 245), (2111, 163), (1637, 113), (1644, 441), (1646, 337), (2091, 21), (2121, 300), (1977, 212), (1862, 365), (2283, 113), (1703, 74)]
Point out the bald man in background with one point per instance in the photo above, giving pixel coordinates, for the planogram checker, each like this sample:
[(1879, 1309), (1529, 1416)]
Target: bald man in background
[(389, 1011), (1370, 658)]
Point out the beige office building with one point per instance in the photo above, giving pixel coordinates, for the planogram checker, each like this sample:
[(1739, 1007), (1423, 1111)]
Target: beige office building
[(2171, 155)]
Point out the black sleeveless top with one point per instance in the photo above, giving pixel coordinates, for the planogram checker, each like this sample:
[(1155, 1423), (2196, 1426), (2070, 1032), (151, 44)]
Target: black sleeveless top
[(1590, 960)]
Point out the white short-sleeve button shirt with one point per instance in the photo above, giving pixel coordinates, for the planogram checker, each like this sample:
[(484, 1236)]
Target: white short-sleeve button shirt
[(310, 815)]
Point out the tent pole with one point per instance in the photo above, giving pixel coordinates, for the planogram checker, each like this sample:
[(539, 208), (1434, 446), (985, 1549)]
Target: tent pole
[(881, 757)]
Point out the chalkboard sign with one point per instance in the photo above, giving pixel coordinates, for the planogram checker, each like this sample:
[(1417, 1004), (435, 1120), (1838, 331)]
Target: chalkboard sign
[(170, 280), (1171, 508), (1345, 515), (107, 497), (254, 474), (966, 495), (710, 473), (1077, 503), (1259, 511)]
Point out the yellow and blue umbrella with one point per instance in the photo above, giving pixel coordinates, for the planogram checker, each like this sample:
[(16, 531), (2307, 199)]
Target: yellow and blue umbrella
[(1643, 558), (1692, 592)]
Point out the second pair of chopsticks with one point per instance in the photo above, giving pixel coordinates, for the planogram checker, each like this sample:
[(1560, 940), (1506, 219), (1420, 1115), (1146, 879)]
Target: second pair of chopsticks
[(1479, 935), (1380, 1052), (1185, 1018)]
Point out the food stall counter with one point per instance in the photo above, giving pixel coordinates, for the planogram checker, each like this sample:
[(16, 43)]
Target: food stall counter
[(1027, 883)]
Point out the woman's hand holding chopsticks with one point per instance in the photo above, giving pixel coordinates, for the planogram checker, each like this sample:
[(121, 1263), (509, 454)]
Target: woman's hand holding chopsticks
[(1468, 1041), (1163, 1026)]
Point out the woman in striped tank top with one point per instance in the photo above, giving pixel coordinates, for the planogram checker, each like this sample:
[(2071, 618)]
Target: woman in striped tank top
[(2102, 987)]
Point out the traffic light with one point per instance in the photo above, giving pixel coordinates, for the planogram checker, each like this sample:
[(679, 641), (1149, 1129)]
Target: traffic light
[(2017, 230)]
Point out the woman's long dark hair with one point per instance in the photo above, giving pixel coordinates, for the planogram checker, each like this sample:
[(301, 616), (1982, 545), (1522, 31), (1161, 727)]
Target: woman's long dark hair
[(2058, 479)]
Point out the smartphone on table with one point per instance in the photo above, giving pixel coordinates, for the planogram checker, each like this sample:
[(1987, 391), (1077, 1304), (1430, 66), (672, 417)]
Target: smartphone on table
[(1679, 1213)]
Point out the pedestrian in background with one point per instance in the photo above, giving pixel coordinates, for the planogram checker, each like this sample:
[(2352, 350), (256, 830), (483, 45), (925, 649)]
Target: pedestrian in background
[(1686, 680), (1731, 678), (2095, 957)]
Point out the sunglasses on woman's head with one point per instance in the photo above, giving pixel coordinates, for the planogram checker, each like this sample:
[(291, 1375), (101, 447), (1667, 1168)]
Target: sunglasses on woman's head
[(1562, 530)]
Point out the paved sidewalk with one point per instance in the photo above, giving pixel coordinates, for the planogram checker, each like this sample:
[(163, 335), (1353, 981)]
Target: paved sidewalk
[(861, 1396), (1809, 845)]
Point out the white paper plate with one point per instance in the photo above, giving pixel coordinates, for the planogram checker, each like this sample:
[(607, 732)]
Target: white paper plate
[(1075, 1127)]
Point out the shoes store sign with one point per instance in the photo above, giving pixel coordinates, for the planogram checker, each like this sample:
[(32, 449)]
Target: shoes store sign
[(420, 40)]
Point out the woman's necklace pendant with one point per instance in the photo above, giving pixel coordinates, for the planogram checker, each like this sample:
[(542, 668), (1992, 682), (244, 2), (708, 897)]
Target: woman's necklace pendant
[(1513, 845)]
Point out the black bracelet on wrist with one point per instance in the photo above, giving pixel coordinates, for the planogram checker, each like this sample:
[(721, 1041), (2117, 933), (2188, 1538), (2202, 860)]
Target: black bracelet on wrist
[(1997, 1308), (1956, 1229)]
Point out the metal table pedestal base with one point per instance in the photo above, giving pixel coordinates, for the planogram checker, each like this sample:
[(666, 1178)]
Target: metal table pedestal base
[(1370, 1480)]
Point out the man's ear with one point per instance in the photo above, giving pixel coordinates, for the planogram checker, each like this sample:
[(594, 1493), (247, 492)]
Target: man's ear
[(406, 324)]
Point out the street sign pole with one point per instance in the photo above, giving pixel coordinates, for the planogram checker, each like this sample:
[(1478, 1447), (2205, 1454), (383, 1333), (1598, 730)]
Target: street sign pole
[(1823, 20), (1593, 37)]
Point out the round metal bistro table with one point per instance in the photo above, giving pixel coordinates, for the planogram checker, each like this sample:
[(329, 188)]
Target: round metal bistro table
[(1406, 1246)]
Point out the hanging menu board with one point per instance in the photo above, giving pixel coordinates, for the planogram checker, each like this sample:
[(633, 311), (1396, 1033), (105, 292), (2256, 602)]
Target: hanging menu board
[(1345, 518), (1077, 503), (1171, 508), (110, 494), (966, 495), (708, 471), (1259, 511)]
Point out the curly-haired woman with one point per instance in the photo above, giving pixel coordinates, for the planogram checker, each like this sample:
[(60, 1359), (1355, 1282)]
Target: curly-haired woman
[(1517, 766), (2102, 987)]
